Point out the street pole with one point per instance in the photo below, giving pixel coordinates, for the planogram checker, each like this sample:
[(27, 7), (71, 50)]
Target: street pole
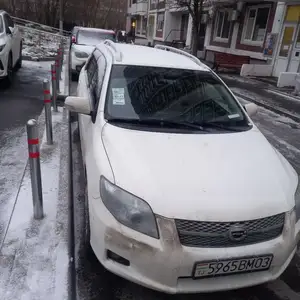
[(61, 24)]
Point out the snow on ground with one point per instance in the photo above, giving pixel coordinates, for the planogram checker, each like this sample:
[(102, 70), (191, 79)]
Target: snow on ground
[(38, 43), (13, 159), (34, 256)]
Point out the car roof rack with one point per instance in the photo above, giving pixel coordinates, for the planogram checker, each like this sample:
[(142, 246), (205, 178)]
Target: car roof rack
[(181, 52), (113, 48)]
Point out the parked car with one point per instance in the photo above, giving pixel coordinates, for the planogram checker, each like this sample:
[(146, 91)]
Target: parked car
[(83, 44), (74, 34), (185, 194), (10, 48)]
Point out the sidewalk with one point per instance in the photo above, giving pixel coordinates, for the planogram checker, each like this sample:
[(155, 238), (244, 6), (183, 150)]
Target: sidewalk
[(36, 255)]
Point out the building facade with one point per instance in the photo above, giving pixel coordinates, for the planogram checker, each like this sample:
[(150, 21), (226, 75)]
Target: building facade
[(243, 29), (287, 53), (268, 32), (159, 21)]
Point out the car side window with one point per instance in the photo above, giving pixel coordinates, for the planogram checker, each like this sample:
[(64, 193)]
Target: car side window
[(8, 21), (92, 77), (1, 25), (101, 62)]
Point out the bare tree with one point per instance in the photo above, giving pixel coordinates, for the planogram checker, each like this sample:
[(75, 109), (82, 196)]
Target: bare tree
[(93, 13), (195, 9)]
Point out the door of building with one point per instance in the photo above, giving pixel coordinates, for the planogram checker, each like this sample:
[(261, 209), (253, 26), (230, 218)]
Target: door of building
[(184, 26), (288, 56)]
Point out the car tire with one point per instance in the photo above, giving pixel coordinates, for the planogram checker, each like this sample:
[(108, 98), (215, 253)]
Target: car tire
[(19, 62), (10, 72), (89, 252), (74, 76)]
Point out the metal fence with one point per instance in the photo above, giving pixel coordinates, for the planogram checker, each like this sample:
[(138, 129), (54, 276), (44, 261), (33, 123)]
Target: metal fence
[(40, 41)]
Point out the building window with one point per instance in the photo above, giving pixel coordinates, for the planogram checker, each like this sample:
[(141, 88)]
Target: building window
[(144, 25), (138, 25), (223, 25), (133, 1), (153, 4), (160, 21), (255, 26)]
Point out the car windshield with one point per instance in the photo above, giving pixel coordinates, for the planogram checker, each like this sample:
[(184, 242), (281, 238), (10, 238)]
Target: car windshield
[(140, 93), (93, 38)]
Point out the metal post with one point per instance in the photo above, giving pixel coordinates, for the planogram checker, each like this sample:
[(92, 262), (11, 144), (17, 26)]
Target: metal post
[(61, 60), (59, 63), (54, 88), (35, 168), (57, 73), (48, 115), (62, 54)]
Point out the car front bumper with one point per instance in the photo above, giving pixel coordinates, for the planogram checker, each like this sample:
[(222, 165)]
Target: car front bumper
[(165, 265), (3, 64), (77, 63)]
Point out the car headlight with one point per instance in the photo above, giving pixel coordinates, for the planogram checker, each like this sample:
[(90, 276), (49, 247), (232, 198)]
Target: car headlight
[(2, 47), (128, 209), (297, 201), (81, 54)]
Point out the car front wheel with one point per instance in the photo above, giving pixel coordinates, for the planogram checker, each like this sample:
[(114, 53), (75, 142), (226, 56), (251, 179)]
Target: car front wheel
[(19, 62), (10, 71)]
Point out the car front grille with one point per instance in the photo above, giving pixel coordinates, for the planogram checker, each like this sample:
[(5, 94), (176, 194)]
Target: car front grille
[(216, 234)]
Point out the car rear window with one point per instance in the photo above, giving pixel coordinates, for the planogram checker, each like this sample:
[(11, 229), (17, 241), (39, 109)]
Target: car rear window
[(139, 92), (93, 38)]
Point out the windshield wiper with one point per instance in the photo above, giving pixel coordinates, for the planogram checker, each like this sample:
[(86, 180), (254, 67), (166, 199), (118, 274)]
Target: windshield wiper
[(157, 122), (205, 125)]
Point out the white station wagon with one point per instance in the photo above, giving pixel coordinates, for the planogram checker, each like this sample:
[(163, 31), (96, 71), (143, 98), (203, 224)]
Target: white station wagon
[(185, 194)]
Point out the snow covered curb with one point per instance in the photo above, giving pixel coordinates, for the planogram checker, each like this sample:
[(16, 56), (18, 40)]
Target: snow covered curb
[(36, 256), (280, 111)]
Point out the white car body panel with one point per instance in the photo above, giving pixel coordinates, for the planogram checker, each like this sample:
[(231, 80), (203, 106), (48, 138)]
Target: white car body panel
[(77, 61), (12, 45), (206, 177), (182, 192)]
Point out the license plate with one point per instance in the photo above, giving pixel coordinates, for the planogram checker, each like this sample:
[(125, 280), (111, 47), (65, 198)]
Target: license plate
[(232, 266)]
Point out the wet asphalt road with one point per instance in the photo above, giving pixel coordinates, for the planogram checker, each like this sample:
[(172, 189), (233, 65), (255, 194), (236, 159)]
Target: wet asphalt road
[(94, 282), (24, 99)]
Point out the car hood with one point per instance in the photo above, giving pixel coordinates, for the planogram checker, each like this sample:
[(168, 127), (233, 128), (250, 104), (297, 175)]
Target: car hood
[(84, 48), (208, 177)]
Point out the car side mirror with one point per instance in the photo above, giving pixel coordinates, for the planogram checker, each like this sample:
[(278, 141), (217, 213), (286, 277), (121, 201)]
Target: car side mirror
[(9, 30), (80, 105), (251, 109)]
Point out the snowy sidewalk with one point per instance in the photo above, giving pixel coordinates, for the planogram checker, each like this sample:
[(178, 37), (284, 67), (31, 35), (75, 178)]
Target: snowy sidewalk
[(34, 257)]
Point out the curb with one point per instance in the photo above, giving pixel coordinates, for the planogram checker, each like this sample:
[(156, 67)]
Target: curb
[(283, 94), (72, 295), (271, 108), (30, 58)]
